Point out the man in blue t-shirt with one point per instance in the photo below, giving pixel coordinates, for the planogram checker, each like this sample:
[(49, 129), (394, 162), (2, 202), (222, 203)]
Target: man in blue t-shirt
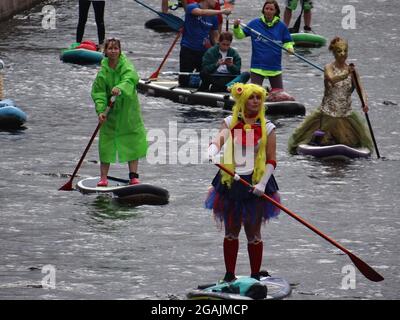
[(200, 32)]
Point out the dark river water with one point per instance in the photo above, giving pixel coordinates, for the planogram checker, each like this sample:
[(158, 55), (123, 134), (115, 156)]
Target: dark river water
[(91, 247)]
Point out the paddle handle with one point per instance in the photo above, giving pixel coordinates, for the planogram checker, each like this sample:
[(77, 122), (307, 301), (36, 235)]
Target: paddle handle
[(110, 105), (363, 103), (282, 47), (228, 4)]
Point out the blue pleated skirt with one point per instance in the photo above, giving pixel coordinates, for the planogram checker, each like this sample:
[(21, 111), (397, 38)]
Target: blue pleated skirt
[(238, 205)]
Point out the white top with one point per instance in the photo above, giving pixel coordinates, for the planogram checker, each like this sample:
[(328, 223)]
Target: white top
[(223, 68), (245, 155)]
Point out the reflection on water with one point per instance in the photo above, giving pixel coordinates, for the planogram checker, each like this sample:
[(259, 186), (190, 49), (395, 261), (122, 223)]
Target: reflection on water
[(13, 131), (106, 207)]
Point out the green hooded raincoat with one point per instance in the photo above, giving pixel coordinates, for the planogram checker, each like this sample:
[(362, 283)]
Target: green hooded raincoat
[(123, 132)]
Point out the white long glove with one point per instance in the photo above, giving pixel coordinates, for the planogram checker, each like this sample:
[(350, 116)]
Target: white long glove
[(212, 152), (260, 187)]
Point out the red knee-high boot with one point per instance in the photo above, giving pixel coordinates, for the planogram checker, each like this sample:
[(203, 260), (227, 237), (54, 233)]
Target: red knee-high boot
[(231, 248), (255, 255)]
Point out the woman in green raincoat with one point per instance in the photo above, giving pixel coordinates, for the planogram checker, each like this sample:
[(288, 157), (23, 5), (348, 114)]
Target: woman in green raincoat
[(122, 134)]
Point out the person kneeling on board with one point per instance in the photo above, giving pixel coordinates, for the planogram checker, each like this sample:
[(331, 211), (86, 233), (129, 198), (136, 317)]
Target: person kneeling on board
[(122, 132), (221, 66)]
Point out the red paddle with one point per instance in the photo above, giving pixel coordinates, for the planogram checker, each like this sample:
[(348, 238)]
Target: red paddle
[(154, 76), (68, 185), (364, 268)]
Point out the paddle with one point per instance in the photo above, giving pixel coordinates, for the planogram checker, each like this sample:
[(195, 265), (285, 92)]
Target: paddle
[(174, 22), (364, 268), (282, 47), (296, 26), (177, 73), (357, 84), (154, 76), (68, 185), (228, 4)]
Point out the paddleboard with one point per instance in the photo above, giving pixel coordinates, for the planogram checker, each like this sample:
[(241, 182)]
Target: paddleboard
[(81, 56), (159, 25), (336, 151), (277, 288), (81, 53), (137, 194), (169, 89), (308, 40)]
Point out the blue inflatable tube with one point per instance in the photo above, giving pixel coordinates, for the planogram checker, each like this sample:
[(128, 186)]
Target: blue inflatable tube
[(81, 56), (11, 117)]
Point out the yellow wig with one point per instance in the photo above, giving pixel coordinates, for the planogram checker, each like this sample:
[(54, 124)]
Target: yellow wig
[(241, 93)]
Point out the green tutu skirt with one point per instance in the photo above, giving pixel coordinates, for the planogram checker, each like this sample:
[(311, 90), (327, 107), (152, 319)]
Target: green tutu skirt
[(350, 131)]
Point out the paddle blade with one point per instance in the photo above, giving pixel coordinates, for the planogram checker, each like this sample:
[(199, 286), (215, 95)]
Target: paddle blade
[(365, 269), (172, 21), (154, 76), (67, 186)]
